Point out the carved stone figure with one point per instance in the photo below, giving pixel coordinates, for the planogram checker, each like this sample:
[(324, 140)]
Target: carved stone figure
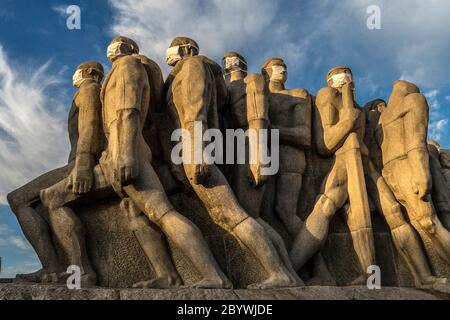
[(440, 191), (65, 223), (290, 113), (196, 93), (125, 166), (340, 134), (383, 200), (248, 108), (406, 165), (24, 200), (444, 159)]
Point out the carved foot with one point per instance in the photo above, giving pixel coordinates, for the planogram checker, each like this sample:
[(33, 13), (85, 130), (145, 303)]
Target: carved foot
[(50, 278), (321, 281), (360, 281), (437, 284), (211, 284), (279, 281), (86, 280), (42, 275), (158, 283)]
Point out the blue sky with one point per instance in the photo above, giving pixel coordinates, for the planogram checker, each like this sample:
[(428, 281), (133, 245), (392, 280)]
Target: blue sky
[(38, 55)]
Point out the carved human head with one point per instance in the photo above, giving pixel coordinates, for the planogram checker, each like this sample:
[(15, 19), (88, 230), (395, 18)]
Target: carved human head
[(377, 105), (121, 46), (87, 70), (181, 47), (233, 62), (435, 145), (274, 69), (338, 76)]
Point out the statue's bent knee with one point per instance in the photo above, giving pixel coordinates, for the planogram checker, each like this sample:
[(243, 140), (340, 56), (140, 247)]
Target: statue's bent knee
[(157, 205), (325, 206), (13, 199)]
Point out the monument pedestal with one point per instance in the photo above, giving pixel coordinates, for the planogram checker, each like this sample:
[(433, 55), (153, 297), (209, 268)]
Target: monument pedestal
[(26, 291)]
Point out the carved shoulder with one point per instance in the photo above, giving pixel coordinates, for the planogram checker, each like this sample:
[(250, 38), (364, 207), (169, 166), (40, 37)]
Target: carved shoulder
[(326, 96), (88, 94), (131, 65), (299, 93), (416, 100)]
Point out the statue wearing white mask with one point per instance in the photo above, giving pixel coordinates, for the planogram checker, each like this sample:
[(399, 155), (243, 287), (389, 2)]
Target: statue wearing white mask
[(290, 113), (24, 200), (340, 135), (196, 94), (125, 165), (248, 108)]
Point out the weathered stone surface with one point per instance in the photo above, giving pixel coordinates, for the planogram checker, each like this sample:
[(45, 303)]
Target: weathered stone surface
[(60, 292), (119, 261), (26, 291)]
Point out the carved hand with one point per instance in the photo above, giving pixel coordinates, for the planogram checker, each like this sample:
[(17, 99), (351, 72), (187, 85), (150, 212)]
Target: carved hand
[(127, 171), (80, 180), (82, 176)]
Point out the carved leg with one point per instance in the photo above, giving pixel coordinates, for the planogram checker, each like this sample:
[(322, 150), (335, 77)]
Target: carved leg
[(314, 231), (190, 240), (252, 235), (69, 231), (154, 245), (288, 186), (279, 245), (70, 234), (37, 232), (424, 218), (404, 236), (148, 195)]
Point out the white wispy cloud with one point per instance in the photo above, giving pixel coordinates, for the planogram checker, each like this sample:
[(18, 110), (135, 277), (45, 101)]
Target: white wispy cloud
[(438, 119), (33, 136), (217, 26), (61, 9), (19, 243)]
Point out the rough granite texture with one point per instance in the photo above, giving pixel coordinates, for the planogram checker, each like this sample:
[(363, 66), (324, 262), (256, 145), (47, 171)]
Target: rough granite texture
[(120, 262), (26, 291)]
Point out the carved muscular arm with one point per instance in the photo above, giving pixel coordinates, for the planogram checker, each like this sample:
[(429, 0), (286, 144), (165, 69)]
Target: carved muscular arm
[(416, 128), (194, 93), (258, 119), (130, 82), (89, 105), (334, 134)]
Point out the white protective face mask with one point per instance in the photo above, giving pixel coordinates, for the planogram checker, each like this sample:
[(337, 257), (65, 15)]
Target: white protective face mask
[(173, 54), (114, 51), (233, 63), (279, 73), (77, 78), (338, 80)]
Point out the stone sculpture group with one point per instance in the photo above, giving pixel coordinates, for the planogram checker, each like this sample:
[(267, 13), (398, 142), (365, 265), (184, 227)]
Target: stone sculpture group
[(203, 225)]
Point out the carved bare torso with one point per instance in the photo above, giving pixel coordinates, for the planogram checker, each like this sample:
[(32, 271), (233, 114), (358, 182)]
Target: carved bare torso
[(290, 112)]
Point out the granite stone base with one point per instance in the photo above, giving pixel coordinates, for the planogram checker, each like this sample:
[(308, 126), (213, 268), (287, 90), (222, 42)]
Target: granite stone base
[(26, 291)]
